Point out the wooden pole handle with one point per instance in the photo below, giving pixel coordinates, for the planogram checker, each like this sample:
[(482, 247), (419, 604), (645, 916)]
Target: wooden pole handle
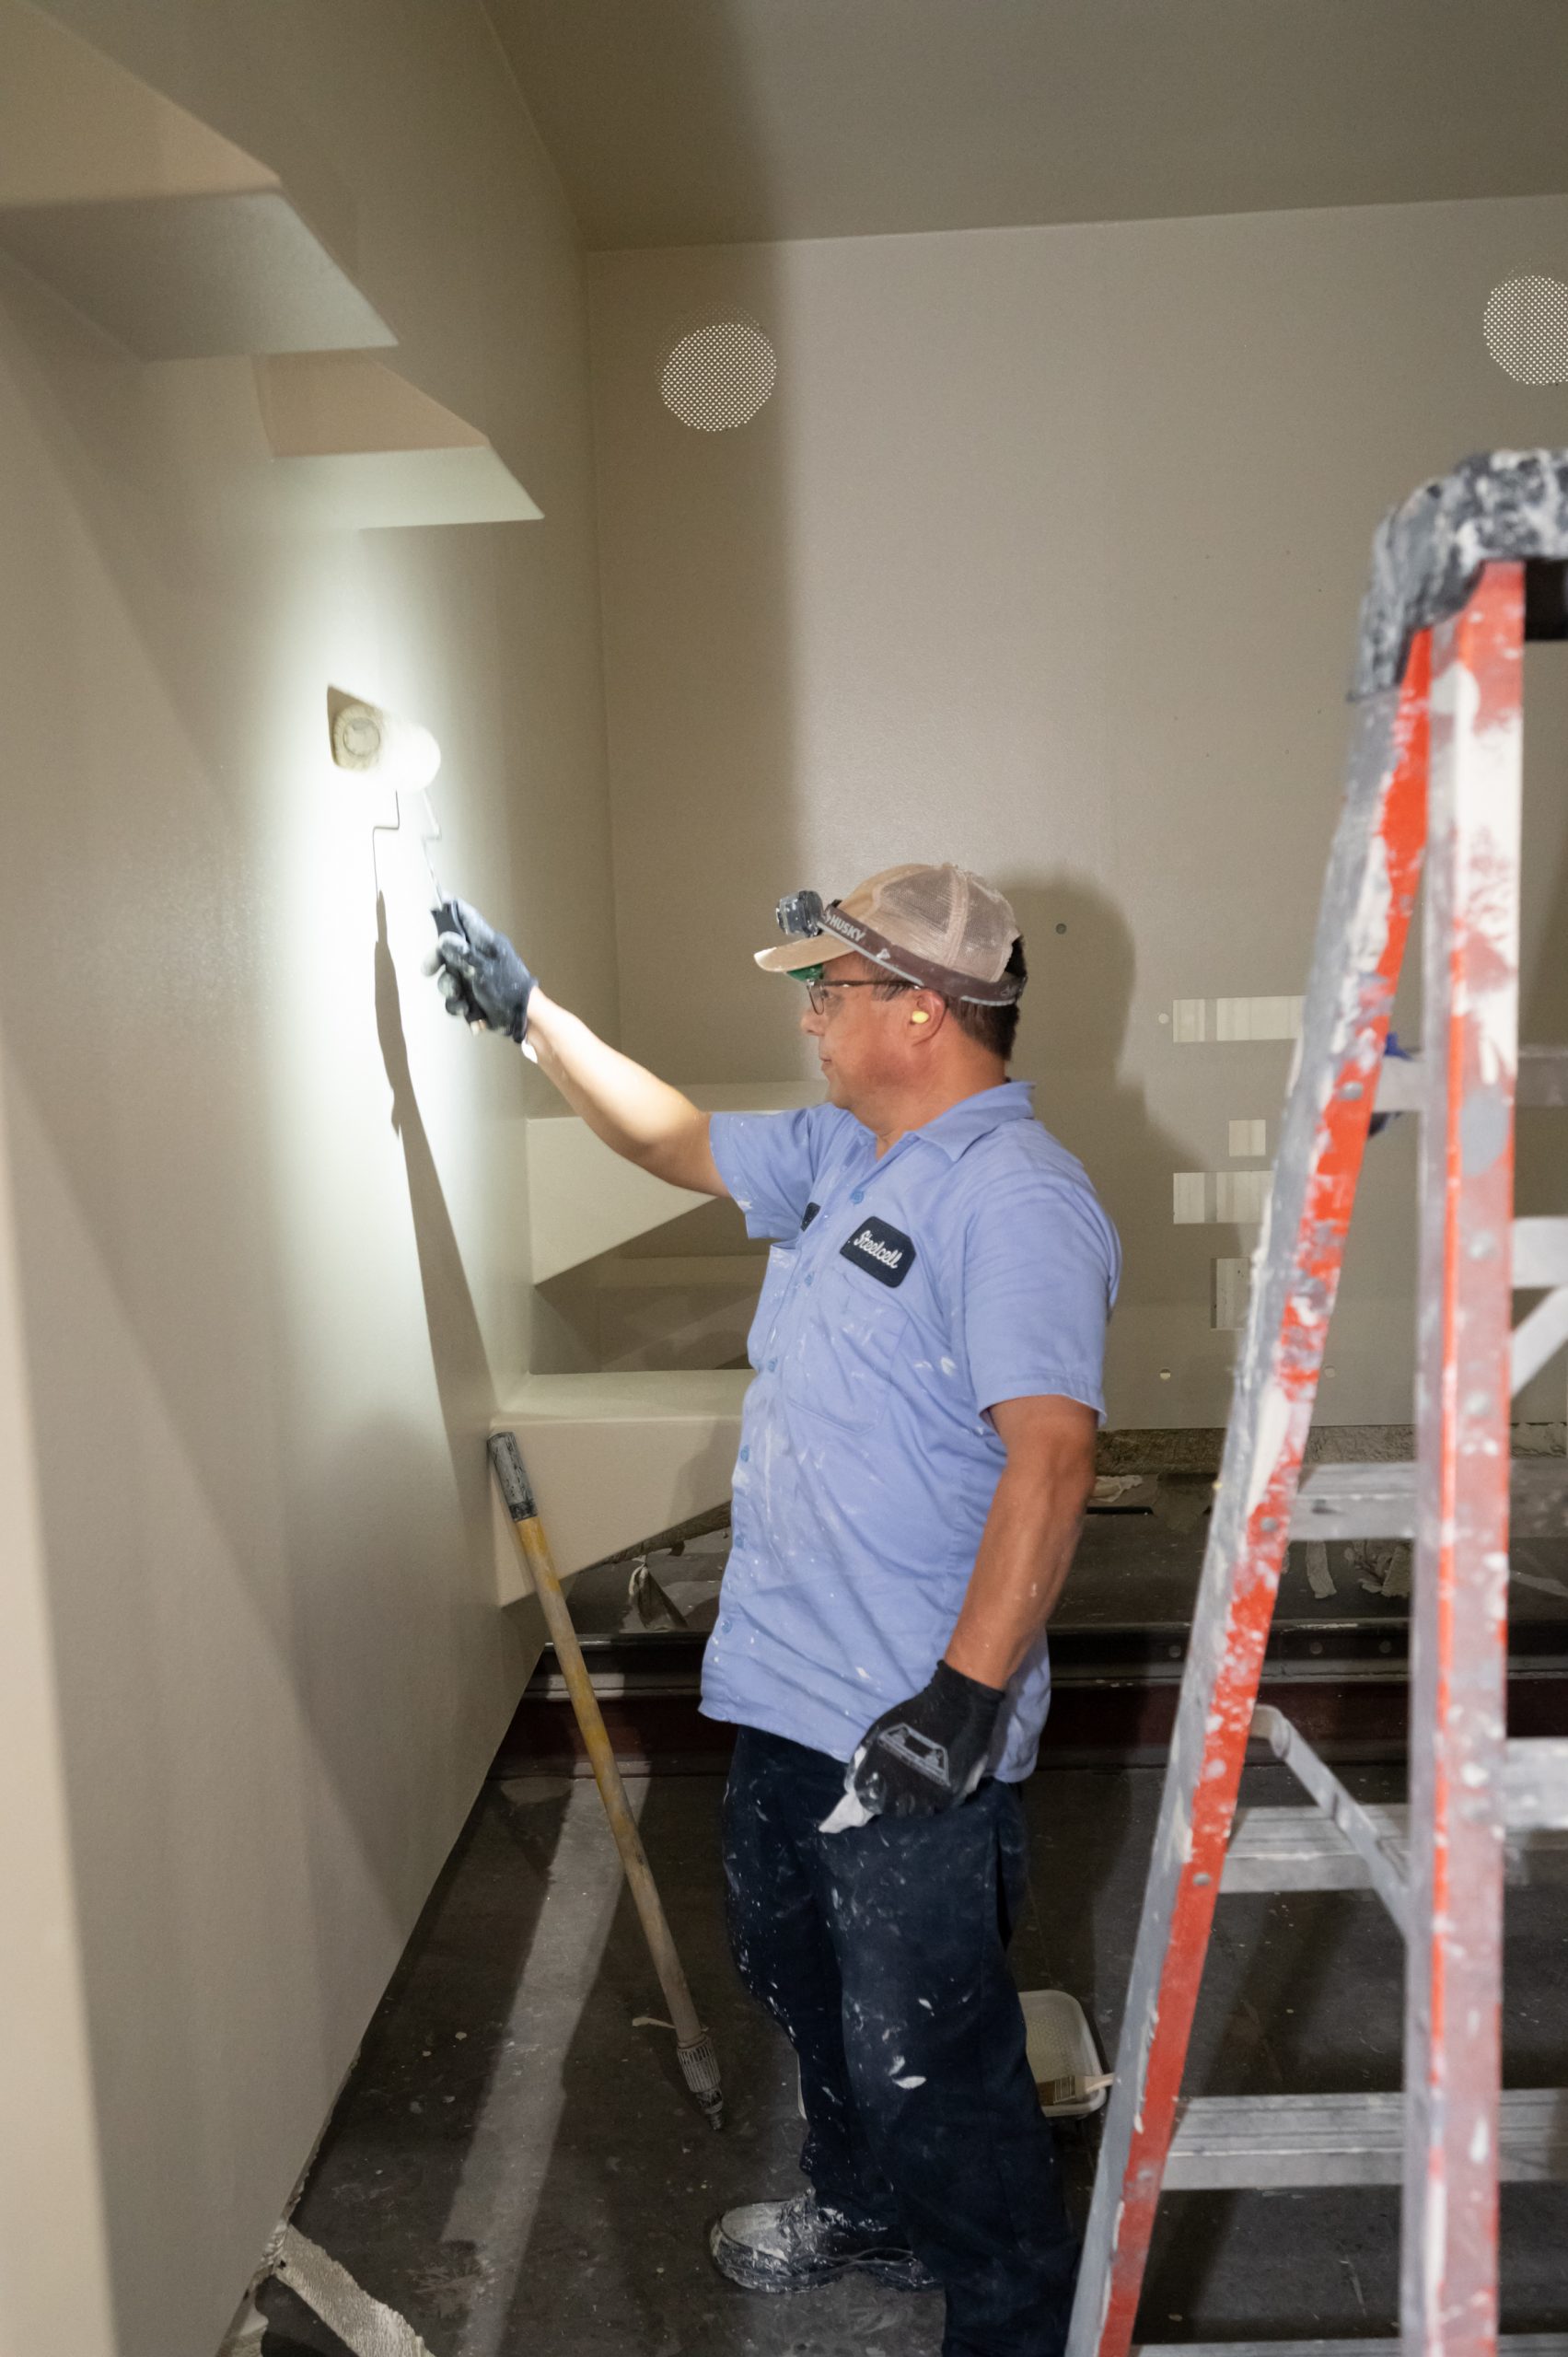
[(534, 1546)]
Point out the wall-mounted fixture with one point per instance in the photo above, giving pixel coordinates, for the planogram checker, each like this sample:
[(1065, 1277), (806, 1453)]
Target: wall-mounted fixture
[(1230, 1288), (1525, 327), (717, 376), (1195, 1021)]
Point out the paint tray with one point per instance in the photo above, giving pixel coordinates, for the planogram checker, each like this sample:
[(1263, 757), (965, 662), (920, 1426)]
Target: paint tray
[(1061, 2046)]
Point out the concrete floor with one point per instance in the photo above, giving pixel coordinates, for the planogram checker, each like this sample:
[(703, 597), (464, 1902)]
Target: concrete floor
[(515, 2165)]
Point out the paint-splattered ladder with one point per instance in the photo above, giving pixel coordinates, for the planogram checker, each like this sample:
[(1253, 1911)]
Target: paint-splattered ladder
[(1462, 574)]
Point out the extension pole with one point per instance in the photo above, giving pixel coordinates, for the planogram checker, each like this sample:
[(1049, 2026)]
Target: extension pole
[(699, 2063)]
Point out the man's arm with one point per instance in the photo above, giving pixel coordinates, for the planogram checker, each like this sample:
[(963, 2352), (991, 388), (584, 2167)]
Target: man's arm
[(484, 981), (929, 1752), (1030, 1533), (641, 1117)]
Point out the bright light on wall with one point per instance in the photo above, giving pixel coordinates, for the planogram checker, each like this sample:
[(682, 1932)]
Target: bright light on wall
[(400, 753)]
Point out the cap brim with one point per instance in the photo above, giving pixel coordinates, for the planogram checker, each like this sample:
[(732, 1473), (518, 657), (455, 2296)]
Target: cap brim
[(793, 956)]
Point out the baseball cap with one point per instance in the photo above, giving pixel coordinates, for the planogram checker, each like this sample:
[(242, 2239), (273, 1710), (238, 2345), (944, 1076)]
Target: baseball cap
[(941, 927)]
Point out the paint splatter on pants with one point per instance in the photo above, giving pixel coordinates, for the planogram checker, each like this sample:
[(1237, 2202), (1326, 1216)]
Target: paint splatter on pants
[(882, 1953)]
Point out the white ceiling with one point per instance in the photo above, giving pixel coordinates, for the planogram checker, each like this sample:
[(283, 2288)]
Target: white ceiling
[(710, 121)]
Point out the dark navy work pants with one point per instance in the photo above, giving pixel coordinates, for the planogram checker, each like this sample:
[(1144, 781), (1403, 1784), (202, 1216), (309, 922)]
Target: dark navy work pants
[(882, 1953)]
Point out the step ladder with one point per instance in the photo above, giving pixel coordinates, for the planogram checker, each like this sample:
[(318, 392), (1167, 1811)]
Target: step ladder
[(1462, 573)]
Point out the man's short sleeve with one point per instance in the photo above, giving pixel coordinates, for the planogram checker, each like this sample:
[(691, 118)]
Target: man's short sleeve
[(1040, 1268), (769, 1162)]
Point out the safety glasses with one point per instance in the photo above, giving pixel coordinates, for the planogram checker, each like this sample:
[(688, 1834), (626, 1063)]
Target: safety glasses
[(820, 993)]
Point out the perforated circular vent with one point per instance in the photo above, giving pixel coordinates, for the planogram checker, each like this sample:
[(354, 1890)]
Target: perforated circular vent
[(1526, 329), (719, 376)]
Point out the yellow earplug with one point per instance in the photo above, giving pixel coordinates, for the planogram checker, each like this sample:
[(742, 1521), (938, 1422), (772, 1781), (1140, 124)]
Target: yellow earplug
[(920, 1015)]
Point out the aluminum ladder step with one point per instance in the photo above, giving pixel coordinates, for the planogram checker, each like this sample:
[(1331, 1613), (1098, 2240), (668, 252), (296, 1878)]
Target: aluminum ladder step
[(1509, 2344), (1300, 1849), (1542, 1081), (1341, 1844), (1378, 1501), (1244, 2143)]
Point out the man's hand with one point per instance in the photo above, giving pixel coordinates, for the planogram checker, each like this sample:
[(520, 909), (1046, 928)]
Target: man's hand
[(924, 1755), (481, 975), (931, 1751)]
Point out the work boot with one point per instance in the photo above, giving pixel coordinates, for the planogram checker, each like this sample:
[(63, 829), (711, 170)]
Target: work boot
[(790, 2246)]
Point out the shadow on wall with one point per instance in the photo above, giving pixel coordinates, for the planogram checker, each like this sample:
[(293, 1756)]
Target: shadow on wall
[(1083, 965), (464, 1382), (714, 709), (157, 1092)]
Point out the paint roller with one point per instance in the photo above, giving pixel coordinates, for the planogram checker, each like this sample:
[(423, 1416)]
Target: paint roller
[(370, 742)]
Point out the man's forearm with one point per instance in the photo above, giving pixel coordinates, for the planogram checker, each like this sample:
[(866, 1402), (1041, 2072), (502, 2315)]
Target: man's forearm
[(637, 1114), (1026, 1551)]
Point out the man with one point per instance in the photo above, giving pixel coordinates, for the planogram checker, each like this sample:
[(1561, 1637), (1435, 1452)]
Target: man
[(917, 1453)]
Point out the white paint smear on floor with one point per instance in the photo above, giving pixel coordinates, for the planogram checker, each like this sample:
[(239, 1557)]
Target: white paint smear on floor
[(509, 2157)]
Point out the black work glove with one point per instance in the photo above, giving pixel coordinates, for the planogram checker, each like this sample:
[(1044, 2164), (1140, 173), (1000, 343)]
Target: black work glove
[(924, 1755), (481, 975)]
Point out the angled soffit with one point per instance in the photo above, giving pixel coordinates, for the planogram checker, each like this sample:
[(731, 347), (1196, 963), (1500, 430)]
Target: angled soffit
[(712, 122), (148, 221)]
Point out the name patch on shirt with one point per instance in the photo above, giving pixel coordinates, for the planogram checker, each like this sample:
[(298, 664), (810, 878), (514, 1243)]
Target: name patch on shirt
[(884, 1253)]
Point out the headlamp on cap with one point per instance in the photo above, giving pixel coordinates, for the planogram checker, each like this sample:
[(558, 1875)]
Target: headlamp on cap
[(940, 928), (799, 916)]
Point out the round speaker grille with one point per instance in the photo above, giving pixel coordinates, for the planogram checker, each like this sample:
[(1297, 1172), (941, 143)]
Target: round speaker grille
[(1526, 329), (719, 376)]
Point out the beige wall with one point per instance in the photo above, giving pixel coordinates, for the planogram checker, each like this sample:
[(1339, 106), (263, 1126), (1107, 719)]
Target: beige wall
[(1045, 557), (53, 2272), (264, 1222)]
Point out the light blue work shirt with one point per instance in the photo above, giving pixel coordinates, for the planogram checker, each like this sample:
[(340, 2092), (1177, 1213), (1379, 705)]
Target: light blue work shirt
[(972, 1263)]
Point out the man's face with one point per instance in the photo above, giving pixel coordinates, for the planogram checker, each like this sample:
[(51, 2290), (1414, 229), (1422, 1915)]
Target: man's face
[(862, 1037)]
